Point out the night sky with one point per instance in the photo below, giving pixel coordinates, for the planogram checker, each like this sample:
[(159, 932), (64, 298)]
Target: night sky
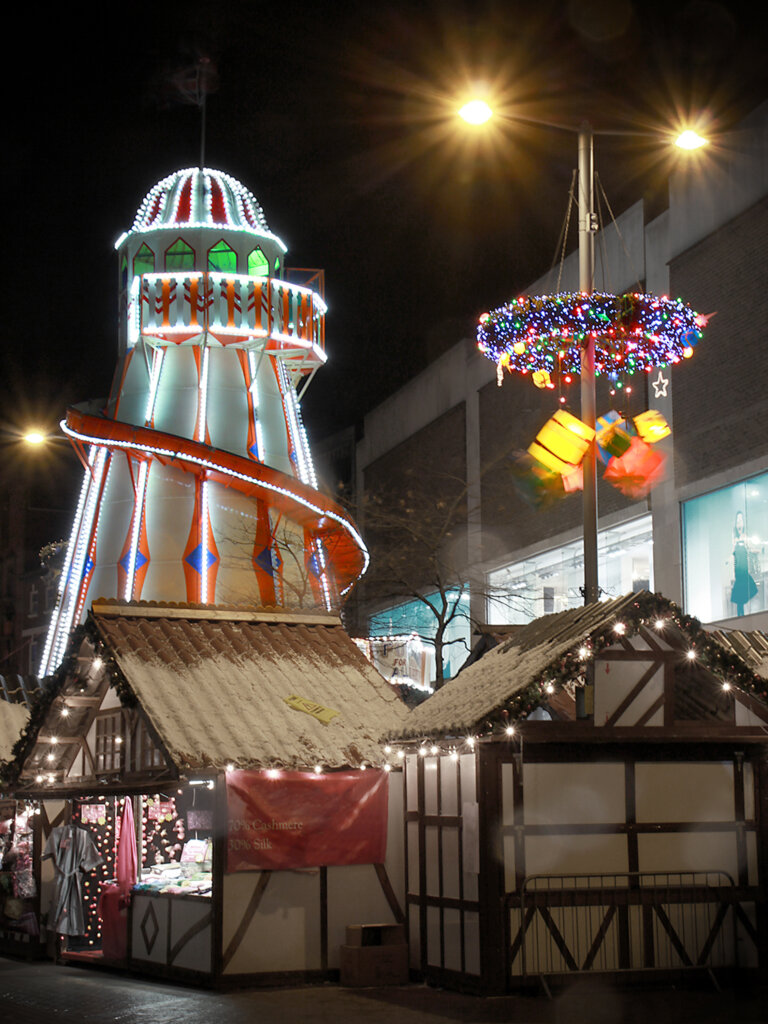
[(339, 118)]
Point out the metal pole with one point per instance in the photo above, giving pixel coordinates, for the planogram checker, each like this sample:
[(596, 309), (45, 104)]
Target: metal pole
[(587, 227)]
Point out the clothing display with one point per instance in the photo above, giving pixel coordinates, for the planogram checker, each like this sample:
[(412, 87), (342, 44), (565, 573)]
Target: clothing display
[(74, 852), (744, 587)]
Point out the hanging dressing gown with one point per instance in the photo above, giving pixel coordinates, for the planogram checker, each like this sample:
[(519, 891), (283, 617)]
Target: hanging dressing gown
[(73, 851)]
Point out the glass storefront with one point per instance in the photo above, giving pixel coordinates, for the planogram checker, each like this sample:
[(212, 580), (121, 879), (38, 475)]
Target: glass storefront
[(414, 617), (725, 551), (551, 580)]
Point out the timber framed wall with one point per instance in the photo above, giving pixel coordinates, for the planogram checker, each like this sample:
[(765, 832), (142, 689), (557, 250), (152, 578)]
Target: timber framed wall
[(678, 832)]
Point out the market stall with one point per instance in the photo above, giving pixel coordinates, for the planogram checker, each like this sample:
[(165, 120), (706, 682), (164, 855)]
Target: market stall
[(239, 751)]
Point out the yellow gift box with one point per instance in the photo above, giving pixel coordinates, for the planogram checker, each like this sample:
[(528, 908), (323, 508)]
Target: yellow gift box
[(562, 442), (651, 426)]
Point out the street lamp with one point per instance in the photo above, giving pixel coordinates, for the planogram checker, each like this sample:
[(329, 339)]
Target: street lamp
[(478, 112)]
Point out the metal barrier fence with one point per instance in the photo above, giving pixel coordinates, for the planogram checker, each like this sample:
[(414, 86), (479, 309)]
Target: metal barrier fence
[(626, 921)]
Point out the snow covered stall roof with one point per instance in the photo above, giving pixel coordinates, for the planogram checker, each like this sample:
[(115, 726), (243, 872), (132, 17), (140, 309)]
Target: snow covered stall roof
[(214, 683), (13, 720), (510, 676)]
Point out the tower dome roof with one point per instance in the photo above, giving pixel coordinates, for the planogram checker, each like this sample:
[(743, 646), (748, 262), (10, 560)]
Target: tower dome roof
[(196, 197)]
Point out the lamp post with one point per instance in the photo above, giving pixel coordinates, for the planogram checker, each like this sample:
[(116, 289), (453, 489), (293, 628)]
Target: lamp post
[(478, 112)]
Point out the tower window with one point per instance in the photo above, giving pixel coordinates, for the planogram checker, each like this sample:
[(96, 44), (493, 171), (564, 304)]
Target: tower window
[(258, 264), (222, 257), (180, 256), (143, 261)]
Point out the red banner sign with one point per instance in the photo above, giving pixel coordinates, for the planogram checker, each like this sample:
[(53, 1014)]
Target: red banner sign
[(302, 820)]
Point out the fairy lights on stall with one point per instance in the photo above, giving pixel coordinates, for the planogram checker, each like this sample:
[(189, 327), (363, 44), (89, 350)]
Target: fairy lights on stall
[(568, 671)]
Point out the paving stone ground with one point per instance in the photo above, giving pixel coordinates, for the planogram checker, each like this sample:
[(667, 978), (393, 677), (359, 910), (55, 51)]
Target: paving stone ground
[(34, 993)]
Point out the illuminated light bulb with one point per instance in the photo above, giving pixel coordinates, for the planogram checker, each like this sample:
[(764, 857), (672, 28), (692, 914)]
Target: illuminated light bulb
[(620, 628), (50, 757), (387, 749), (54, 740), (583, 653), (510, 730), (471, 741), (98, 663), (401, 754), (35, 437), (317, 769), (422, 751), (65, 712), (659, 623), (363, 766), (387, 767), (51, 778), (38, 778), (690, 655), (476, 112), (273, 773), (118, 740), (454, 755), (726, 685), (687, 352), (550, 688), (230, 768), (689, 139), (433, 749)]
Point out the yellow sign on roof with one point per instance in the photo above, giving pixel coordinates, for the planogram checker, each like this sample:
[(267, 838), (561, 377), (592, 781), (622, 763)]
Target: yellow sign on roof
[(309, 707)]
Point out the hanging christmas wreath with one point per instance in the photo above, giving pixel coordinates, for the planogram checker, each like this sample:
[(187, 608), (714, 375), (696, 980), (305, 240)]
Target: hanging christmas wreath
[(545, 334)]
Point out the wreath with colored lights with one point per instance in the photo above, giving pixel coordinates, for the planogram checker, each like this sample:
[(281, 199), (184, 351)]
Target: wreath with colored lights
[(634, 332)]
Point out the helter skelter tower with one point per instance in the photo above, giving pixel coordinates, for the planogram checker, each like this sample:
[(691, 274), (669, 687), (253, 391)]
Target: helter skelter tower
[(200, 485)]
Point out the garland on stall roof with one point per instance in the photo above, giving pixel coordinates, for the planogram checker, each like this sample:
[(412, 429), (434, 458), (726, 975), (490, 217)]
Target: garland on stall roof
[(650, 610)]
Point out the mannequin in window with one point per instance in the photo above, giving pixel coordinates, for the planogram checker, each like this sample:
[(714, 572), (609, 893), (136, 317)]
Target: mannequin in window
[(744, 587)]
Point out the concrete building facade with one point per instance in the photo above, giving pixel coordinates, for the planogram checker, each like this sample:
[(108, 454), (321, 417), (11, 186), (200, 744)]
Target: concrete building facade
[(701, 536)]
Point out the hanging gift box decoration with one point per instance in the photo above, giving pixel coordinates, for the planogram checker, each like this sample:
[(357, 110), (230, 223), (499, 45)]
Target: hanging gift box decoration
[(562, 442), (651, 426), (534, 482), (636, 471), (604, 432), (574, 481)]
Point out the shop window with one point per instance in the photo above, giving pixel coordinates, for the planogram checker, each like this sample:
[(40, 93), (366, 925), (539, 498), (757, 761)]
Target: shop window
[(258, 264), (144, 754), (414, 617), (109, 742), (143, 261), (180, 256), (725, 551), (222, 257), (551, 581)]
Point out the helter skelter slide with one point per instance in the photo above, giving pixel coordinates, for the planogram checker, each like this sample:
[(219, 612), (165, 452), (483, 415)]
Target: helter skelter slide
[(200, 485)]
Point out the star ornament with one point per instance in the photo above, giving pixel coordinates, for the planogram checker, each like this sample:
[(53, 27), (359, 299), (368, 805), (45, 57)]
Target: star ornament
[(660, 386)]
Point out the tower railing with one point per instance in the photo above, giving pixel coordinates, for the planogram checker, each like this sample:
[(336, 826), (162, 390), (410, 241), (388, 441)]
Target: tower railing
[(231, 309)]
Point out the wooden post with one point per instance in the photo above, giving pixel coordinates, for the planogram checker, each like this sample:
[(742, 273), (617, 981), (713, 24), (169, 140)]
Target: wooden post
[(494, 941)]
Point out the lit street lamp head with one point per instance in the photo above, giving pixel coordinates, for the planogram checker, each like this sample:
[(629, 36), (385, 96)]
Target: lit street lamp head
[(476, 112), (34, 437), (690, 139)]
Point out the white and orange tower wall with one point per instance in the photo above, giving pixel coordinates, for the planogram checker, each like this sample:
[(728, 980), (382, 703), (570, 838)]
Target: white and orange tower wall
[(200, 485)]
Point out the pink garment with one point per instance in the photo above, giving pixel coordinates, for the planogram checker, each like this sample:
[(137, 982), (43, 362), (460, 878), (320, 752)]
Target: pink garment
[(126, 851)]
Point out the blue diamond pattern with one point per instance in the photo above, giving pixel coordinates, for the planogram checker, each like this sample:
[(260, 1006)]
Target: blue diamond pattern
[(125, 561), (264, 561), (195, 558)]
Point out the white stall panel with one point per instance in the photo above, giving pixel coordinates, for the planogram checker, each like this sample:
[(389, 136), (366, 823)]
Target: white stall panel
[(684, 792)]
